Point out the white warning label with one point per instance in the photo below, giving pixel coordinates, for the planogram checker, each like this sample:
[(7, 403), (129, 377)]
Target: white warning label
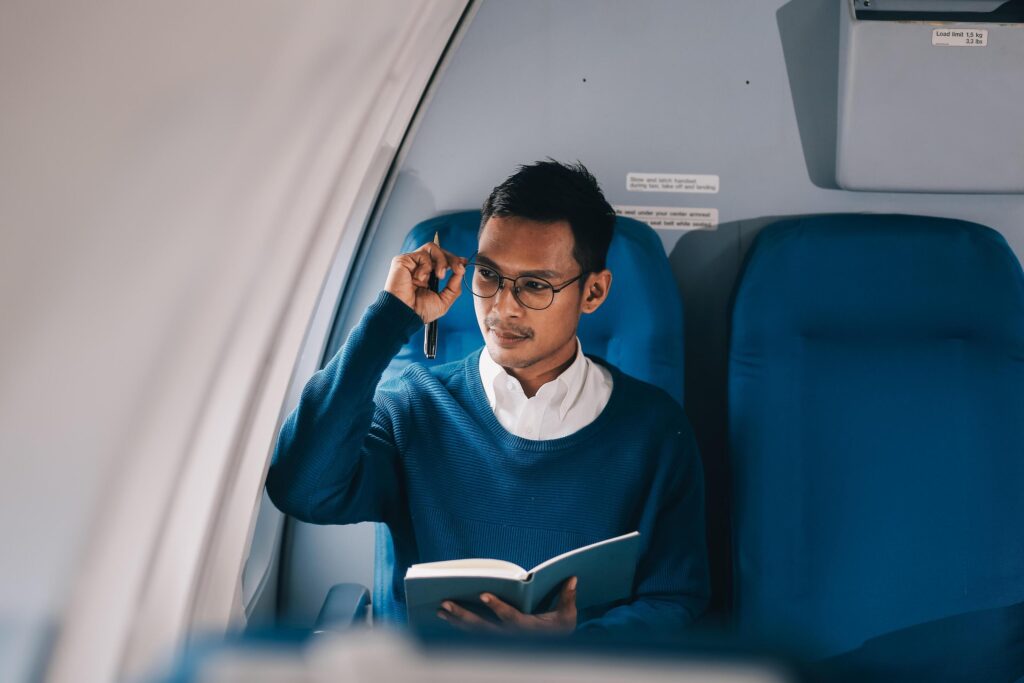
[(672, 217), (671, 182), (960, 37)]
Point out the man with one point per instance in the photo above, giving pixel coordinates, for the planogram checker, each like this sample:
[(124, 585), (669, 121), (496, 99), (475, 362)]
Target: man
[(521, 451)]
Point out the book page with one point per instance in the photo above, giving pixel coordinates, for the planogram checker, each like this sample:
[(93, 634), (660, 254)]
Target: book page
[(472, 567), (559, 558)]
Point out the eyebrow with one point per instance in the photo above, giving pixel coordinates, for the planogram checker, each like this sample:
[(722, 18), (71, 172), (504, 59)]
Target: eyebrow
[(546, 274)]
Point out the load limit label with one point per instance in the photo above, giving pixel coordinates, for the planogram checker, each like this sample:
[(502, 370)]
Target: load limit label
[(960, 37)]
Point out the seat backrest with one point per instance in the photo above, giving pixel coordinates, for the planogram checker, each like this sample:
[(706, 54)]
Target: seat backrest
[(639, 329), (876, 427)]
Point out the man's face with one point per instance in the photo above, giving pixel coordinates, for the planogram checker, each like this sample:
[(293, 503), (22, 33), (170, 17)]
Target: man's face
[(516, 336)]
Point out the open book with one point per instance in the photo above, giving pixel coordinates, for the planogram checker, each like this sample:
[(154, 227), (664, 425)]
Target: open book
[(605, 570)]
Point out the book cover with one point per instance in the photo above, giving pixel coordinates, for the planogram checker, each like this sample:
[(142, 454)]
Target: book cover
[(605, 570)]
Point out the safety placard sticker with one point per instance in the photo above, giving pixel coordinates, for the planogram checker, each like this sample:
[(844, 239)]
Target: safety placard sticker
[(672, 217), (671, 182), (960, 37)]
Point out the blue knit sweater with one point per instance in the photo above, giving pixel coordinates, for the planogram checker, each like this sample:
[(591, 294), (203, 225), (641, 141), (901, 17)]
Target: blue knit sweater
[(425, 454)]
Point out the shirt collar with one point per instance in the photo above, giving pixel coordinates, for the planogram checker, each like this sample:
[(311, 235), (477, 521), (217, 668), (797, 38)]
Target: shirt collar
[(573, 378), (490, 373)]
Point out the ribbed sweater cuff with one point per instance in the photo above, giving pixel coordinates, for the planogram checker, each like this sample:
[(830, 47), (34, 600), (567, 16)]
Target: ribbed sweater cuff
[(391, 315)]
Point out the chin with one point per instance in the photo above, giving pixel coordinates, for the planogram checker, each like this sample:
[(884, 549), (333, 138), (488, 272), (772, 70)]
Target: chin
[(510, 358)]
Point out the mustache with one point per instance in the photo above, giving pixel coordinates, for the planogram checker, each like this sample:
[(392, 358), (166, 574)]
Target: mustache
[(496, 325)]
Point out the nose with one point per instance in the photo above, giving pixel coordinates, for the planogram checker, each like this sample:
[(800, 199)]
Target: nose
[(505, 302)]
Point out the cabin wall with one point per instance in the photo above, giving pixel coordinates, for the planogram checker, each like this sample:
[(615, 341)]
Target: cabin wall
[(745, 90)]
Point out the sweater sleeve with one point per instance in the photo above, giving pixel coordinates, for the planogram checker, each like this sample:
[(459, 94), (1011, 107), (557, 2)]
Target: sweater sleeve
[(336, 461), (673, 585)]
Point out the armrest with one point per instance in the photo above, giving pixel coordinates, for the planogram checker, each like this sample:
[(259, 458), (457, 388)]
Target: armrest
[(346, 604)]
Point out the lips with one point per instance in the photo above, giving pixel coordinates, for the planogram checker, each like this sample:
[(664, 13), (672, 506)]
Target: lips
[(504, 337)]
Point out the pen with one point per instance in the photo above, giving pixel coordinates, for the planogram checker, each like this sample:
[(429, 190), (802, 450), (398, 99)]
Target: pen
[(430, 333)]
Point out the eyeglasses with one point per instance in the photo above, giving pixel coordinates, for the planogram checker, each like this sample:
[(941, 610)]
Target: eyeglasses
[(532, 292)]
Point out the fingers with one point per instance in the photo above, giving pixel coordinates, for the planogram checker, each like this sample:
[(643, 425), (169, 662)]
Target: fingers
[(409, 280), (453, 289), (567, 598), (563, 620), (504, 611), (463, 619), (433, 257)]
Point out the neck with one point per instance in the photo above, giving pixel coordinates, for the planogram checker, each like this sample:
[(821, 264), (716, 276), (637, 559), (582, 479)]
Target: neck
[(537, 375)]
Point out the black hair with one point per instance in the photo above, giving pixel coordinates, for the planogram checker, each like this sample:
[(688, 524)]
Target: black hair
[(550, 191)]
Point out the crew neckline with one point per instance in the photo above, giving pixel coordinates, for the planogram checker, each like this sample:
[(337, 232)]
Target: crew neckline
[(471, 368), (573, 379)]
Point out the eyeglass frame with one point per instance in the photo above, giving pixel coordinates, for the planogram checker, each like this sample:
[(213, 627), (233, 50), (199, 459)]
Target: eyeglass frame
[(515, 287)]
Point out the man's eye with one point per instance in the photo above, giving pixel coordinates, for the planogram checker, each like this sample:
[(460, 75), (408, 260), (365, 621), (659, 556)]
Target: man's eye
[(486, 273), (536, 285)]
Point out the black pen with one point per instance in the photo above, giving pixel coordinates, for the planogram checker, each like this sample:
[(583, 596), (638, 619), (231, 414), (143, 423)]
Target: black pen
[(430, 333)]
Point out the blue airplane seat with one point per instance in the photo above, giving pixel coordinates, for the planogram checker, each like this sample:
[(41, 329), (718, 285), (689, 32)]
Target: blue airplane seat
[(639, 329), (876, 427)]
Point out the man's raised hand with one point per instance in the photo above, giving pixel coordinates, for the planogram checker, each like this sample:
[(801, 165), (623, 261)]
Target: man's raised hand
[(409, 279)]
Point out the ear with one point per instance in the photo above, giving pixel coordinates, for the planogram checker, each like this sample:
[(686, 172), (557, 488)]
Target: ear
[(595, 291)]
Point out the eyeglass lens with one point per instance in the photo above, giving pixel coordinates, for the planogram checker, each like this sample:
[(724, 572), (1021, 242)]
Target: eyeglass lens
[(532, 292)]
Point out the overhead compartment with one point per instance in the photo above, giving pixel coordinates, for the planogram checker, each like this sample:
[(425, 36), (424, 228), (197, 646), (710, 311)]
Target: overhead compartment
[(931, 96)]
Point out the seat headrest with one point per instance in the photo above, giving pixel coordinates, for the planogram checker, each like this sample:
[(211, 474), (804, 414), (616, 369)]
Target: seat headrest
[(857, 275)]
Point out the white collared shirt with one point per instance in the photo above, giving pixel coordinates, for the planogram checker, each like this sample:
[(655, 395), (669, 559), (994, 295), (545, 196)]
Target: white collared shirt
[(564, 405)]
